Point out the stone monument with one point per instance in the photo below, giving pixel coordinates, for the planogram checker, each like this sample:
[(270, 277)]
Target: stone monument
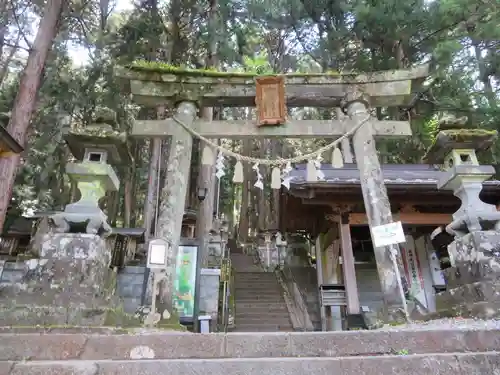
[(473, 280), (71, 282)]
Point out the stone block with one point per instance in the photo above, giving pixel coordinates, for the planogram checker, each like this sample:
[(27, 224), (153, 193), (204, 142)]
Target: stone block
[(333, 344), (70, 284), (5, 367), (165, 346), (107, 344), (443, 364), (439, 364), (476, 256), (485, 291), (75, 246), (36, 347), (473, 281), (54, 368), (479, 364), (254, 345)]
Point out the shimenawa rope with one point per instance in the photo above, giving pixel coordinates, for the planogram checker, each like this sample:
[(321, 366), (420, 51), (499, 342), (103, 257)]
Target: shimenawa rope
[(276, 162)]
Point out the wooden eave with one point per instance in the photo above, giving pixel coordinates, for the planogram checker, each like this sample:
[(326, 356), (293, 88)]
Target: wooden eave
[(8, 143)]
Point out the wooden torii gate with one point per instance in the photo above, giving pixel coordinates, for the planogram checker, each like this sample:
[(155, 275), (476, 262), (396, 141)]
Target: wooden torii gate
[(355, 93)]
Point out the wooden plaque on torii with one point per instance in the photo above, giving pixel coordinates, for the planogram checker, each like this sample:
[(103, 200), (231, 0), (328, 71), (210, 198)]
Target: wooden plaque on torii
[(270, 100)]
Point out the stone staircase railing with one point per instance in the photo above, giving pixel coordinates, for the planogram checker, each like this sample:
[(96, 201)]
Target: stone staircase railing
[(294, 300)]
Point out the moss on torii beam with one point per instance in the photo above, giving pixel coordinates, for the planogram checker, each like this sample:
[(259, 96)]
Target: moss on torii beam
[(155, 84), (157, 67)]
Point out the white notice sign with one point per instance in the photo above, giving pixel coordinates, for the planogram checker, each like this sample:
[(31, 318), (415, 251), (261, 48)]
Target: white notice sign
[(158, 254), (388, 234)]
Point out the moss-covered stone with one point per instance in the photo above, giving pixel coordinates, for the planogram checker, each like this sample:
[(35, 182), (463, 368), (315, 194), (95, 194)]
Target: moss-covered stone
[(119, 318), (465, 138), (102, 137), (105, 115), (163, 68)]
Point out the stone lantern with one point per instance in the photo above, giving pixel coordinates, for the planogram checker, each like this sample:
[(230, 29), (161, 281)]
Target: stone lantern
[(474, 275), (71, 283), (95, 147)]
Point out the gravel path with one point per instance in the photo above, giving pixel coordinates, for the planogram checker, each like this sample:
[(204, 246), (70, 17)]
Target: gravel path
[(449, 323)]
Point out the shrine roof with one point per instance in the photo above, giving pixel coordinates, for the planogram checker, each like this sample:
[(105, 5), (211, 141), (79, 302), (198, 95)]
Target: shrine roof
[(21, 226), (423, 175), (131, 232)]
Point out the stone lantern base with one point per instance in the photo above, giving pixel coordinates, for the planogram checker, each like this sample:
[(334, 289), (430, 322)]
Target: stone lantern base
[(473, 281), (71, 284)]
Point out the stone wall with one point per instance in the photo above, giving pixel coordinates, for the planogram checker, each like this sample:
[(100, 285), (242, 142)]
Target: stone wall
[(128, 287), (130, 282), (12, 272)]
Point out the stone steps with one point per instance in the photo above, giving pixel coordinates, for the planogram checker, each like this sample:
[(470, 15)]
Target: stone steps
[(263, 299), (270, 320), (441, 364), (402, 352), (260, 306), (270, 315)]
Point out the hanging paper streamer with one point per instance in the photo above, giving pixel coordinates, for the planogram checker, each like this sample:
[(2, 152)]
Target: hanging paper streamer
[(317, 164), (285, 176), (238, 173), (311, 172), (258, 184), (219, 166), (337, 158), (207, 157), (276, 178)]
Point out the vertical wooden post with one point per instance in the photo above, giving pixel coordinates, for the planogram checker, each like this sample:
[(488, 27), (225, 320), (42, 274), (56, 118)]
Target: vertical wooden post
[(319, 273), (348, 268), (336, 314), (172, 199)]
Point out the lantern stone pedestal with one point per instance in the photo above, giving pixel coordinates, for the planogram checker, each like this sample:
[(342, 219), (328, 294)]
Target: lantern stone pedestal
[(473, 280), (71, 283)]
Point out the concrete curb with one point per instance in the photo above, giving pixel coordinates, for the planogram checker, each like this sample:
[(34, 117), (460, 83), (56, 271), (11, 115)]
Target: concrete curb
[(440, 364), (173, 345)]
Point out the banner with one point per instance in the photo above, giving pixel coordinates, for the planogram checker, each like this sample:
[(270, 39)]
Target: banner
[(185, 277), (413, 270)]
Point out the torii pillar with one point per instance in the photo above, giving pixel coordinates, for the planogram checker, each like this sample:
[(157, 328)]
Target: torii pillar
[(377, 206)]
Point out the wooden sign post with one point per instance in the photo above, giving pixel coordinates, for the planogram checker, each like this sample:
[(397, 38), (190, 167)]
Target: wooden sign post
[(270, 100)]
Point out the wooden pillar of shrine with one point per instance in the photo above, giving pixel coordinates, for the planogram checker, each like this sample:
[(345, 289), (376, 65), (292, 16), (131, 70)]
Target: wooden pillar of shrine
[(348, 267)]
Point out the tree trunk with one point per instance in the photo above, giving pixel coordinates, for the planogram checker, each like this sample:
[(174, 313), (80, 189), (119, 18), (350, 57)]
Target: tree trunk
[(127, 202), (276, 151), (262, 194), (245, 195), (112, 207), (206, 178), (151, 197), (24, 104)]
